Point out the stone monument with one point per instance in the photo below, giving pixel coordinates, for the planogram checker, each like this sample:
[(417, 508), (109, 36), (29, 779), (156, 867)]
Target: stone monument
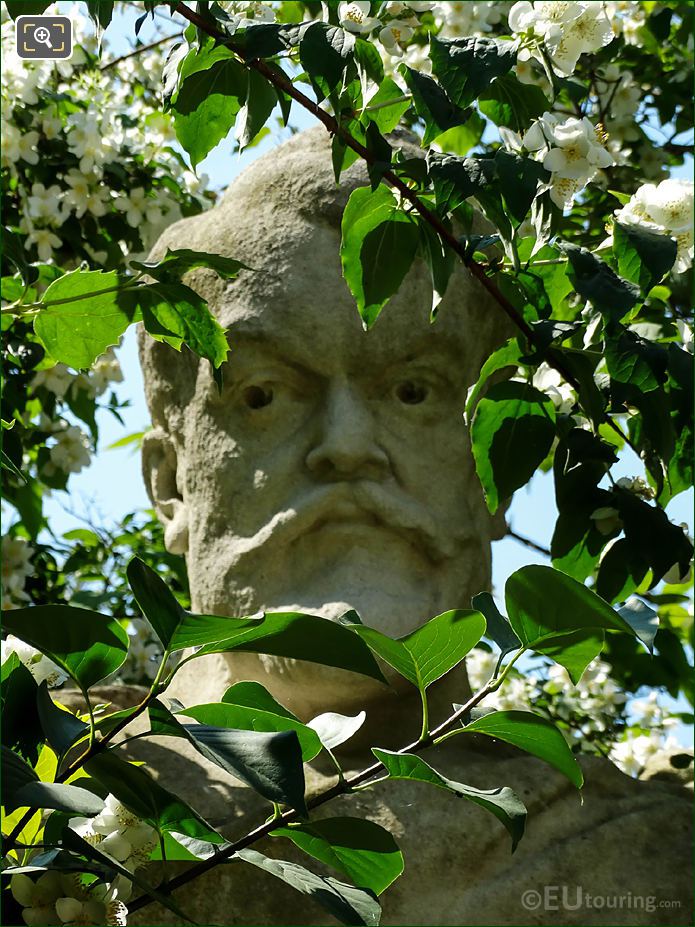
[(334, 472)]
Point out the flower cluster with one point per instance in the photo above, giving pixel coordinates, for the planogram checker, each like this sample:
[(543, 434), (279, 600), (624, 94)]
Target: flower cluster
[(41, 667), (65, 898), (666, 208), (565, 30), (144, 654), (16, 566), (572, 149), (119, 834)]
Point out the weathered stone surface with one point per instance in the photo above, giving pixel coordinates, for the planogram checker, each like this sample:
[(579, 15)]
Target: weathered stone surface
[(335, 472)]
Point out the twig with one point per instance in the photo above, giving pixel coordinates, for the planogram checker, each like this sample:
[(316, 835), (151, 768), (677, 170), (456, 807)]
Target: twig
[(527, 542), (140, 49)]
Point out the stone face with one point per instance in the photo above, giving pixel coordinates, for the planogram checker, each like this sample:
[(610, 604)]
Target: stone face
[(334, 472)]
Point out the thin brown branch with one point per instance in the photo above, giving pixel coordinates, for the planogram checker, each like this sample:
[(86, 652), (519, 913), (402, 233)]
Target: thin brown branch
[(140, 49), (527, 542)]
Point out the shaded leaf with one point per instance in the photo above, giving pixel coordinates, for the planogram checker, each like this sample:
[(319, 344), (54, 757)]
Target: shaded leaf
[(644, 257), (466, 67), (497, 628), (432, 104), (594, 280), (178, 262)]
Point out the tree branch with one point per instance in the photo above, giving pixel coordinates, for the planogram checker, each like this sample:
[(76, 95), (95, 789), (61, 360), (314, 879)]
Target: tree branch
[(140, 49)]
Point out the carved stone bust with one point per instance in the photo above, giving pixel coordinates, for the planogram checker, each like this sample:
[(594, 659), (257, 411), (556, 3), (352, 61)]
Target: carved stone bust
[(333, 472)]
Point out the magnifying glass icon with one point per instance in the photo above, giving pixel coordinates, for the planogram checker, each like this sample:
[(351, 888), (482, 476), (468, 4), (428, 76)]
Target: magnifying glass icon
[(42, 34)]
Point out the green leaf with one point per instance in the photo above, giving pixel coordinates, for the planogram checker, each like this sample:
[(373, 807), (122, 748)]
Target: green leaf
[(643, 256), (432, 104), (101, 12), (176, 314), (25, 8), (68, 798), (60, 726), (260, 101), (461, 139), (16, 774), (466, 67), (533, 734), (254, 695), (440, 261), (212, 88), (512, 432), (269, 763), (325, 53), (508, 102), (497, 627), (509, 355), (643, 620), (347, 904), (175, 264), (365, 852), (594, 280), (21, 726), (518, 180), (87, 645), (545, 605), (430, 651), (378, 246), (456, 179), (505, 804), (391, 106), (241, 717), (155, 600), (138, 791), (369, 62), (282, 634), (634, 360), (84, 313)]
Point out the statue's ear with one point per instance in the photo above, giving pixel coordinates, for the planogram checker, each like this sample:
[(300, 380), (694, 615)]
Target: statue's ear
[(159, 469)]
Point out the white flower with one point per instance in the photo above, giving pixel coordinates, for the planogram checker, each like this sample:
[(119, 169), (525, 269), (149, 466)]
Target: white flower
[(70, 453), (588, 32), (16, 566), (480, 665), (56, 380), (37, 898), (138, 205), (550, 382), (632, 754), (94, 904), (668, 209), (119, 833), (41, 667), (395, 35), (626, 17), (636, 485), (46, 243), (606, 519), (686, 335), (84, 196), (462, 18), (106, 370), (354, 17), (44, 204), (572, 150)]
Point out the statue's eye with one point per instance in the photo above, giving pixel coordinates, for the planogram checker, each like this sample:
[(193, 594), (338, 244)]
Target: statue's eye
[(257, 397), (411, 393)]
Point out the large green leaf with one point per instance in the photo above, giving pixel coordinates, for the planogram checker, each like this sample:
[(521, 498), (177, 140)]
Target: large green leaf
[(497, 627), (387, 106), (212, 88), (511, 433), (59, 797), (466, 67), (326, 53), (176, 263), (440, 261), (260, 100), (510, 103), (254, 695), (432, 105), (508, 356), (644, 257), (518, 179), (505, 804), (21, 725), (596, 281), (176, 314), (365, 852), (155, 600), (634, 360), (533, 734), (61, 727), (430, 651), (137, 790), (546, 606), (282, 634), (455, 179), (87, 645), (241, 717), (347, 904), (269, 763), (84, 312), (378, 245)]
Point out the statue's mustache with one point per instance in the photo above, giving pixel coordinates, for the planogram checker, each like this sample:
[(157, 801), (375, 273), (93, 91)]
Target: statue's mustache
[(359, 501)]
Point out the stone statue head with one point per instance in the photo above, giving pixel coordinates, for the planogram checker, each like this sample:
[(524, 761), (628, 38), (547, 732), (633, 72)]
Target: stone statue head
[(334, 471)]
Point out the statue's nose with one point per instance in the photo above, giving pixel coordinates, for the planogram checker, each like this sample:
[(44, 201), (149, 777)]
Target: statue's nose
[(346, 443)]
